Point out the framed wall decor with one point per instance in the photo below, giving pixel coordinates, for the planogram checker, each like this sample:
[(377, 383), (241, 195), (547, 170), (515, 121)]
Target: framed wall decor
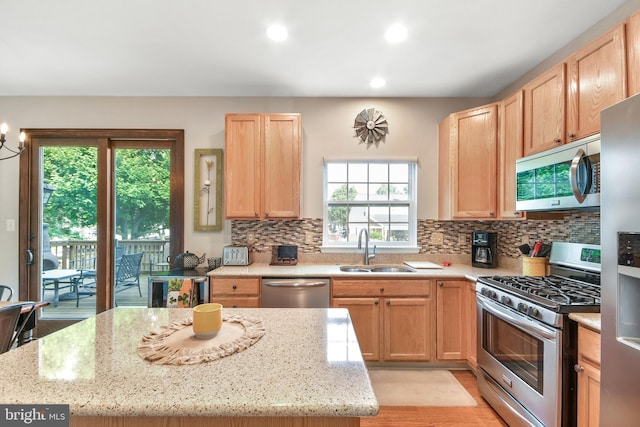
[(207, 198)]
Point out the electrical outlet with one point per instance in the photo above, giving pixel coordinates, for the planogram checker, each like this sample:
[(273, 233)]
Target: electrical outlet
[(250, 237), (308, 237), (437, 238), (462, 239), (11, 225)]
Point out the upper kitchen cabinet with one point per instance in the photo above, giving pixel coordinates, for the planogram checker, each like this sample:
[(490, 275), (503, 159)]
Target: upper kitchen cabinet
[(597, 80), (544, 111), (262, 166), (633, 53), (467, 158), (510, 148)]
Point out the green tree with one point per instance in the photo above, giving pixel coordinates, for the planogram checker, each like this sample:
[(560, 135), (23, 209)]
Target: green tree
[(142, 191), (339, 215)]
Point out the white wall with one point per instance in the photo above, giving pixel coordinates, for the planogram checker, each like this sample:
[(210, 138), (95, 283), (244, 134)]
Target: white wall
[(327, 131)]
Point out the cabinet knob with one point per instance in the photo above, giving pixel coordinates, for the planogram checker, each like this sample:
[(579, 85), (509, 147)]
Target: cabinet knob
[(571, 135), (441, 284), (381, 289), (578, 368), (266, 214), (516, 213), (376, 303), (256, 214), (492, 214), (234, 287), (389, 302), (557, 140)]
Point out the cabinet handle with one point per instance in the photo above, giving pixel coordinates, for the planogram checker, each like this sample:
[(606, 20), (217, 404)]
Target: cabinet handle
[(234, 287), (492, 214), (234, 306), (557, 140), (389, 302), (578, 368), (381, 289), (571, 135), (376, 303), (441, 284), (516, 213)]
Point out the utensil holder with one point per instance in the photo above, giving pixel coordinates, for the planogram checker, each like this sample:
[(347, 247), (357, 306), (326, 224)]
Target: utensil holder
[(535, 266)]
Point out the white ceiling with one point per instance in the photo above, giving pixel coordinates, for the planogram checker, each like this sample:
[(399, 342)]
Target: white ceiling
[(214, 48)]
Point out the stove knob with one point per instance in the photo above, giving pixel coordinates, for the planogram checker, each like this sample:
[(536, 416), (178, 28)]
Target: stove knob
[(532, 311), (505, 300), (522, 307)]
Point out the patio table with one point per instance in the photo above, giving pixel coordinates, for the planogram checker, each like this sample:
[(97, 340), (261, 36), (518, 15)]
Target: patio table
[(60, 279)]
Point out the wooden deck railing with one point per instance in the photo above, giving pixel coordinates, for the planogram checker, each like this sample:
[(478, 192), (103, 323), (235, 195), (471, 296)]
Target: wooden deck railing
[(81, 254)]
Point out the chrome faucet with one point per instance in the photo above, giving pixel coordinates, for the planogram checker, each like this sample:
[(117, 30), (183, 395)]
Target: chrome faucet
[(367, 256)]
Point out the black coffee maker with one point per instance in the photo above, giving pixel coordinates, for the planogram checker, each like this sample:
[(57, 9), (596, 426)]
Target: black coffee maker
[(484, 252)]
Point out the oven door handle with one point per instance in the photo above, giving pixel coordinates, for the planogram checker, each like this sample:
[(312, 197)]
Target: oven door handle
[(530, 326)]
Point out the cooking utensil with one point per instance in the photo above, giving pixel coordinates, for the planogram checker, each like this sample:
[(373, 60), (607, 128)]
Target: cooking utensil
[(545, 250), (536, 248), (525, 249)]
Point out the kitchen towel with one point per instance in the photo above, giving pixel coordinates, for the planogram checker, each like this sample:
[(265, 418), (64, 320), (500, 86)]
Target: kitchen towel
[(418, 387)]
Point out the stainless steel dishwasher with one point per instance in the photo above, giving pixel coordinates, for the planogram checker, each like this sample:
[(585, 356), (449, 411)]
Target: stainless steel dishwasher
[(304, 292)]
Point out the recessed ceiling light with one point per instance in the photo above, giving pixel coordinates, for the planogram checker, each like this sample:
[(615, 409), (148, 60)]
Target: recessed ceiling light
[(277, 32), (377, 82), (396, 33)]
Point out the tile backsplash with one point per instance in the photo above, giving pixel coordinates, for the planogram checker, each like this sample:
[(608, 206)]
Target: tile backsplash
[(577, 226)]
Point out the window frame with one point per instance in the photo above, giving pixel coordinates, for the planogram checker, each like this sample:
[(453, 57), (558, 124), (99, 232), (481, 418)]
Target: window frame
[(410, 246)]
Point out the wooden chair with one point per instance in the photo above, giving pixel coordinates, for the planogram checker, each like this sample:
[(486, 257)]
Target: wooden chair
[(12, 323), (4, 289)]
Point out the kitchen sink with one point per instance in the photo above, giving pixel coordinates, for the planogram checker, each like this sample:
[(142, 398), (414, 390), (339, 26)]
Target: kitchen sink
[(377, 269)]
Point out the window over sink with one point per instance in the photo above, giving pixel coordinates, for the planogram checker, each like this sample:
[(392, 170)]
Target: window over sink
[(378, 196)]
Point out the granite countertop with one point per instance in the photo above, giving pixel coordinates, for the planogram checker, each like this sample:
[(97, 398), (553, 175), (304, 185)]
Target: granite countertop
[(590, 320), (454, 271), (307, 364)]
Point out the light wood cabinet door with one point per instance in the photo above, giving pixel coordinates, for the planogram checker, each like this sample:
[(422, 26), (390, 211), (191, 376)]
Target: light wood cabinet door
[(588, 369), (597, 79), (282, 158), (451, 330), (471, 323), (406, 329), (242, 171), (468, 164), (544, 111), (633, 53), (365, 316), (262, 166), (510, 148)]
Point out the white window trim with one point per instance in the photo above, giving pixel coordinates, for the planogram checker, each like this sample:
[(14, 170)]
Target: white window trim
[(387, 247)]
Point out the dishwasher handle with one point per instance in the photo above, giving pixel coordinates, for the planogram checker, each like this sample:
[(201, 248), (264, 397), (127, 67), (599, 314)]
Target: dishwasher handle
[(296, 284)]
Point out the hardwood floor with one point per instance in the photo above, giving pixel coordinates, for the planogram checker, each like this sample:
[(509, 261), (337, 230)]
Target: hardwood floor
[(411, 416)]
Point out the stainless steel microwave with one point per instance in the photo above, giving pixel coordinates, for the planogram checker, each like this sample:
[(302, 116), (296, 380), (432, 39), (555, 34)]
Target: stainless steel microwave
[(563, 178)]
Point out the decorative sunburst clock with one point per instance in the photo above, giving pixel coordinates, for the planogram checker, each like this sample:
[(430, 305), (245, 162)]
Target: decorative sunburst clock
[(371, 126)]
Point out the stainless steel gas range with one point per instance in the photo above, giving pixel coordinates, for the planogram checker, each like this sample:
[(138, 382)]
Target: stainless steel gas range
[(526, 343)]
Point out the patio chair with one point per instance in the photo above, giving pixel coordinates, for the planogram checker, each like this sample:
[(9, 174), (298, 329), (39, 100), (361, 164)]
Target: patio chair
[(4, 289), (128, 273)]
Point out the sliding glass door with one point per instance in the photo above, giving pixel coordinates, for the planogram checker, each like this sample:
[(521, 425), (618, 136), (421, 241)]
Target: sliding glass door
[(102, 210)]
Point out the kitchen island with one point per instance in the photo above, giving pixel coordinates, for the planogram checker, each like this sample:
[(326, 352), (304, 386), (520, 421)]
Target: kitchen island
[(306, 370)]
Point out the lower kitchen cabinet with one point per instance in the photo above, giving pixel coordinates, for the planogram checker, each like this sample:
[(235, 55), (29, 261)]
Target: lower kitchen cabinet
[(394, 320), (588, 368), (471, 323), (234, 292), (451, 335)]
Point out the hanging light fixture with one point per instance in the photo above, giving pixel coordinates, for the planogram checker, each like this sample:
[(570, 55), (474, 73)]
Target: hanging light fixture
[(3, 132)]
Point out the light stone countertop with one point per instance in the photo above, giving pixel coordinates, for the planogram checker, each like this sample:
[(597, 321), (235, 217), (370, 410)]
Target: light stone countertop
[(455, 271), (307, 364), (590, 320)]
